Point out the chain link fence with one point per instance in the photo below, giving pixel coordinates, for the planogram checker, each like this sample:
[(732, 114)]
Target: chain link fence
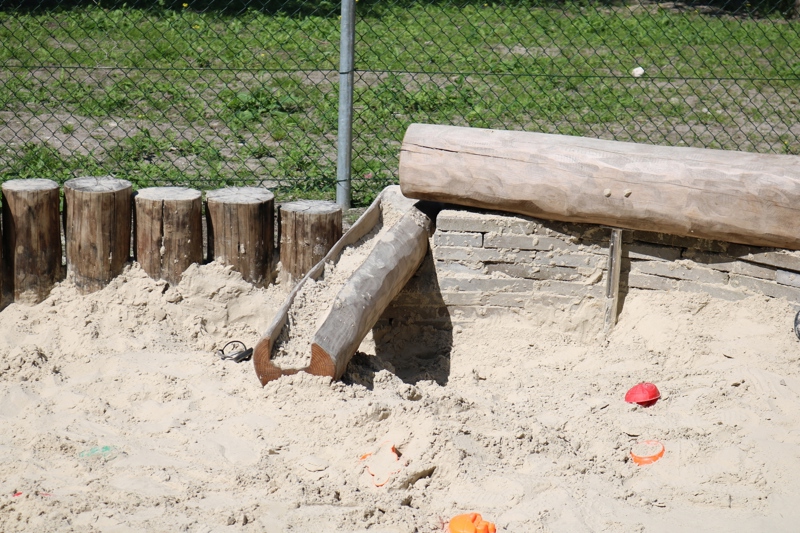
[(194, 93), (207, 94)]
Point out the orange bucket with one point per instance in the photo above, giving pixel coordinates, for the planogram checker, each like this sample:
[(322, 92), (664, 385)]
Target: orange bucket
[(470, 523)]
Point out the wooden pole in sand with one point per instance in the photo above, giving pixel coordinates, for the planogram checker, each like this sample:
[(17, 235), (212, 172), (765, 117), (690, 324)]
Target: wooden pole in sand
[(308, 229), (240, 230), (612, 283), (32, 239), (169, 231), (97, 230)]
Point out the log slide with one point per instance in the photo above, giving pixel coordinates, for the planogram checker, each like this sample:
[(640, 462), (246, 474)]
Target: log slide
[(368, 292), (722, 195), (364, 296)]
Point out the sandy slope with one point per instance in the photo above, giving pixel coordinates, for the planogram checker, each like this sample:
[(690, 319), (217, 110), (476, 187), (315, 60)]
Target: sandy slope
[(523, 419)]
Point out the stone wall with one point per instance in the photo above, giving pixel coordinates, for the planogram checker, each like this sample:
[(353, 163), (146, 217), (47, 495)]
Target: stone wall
[(484, 263)]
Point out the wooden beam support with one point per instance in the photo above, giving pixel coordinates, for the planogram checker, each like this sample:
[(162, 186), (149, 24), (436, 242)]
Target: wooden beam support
[(97, 230), (32, 239), (612, 282), (738, 197), (169, 231)]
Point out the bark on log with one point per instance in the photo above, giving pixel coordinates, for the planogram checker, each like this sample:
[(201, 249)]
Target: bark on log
[(32, 239), (169, 231), (713, 194), (97, 230), (262, 355), (367, 293), (240, 231), (308, 229)]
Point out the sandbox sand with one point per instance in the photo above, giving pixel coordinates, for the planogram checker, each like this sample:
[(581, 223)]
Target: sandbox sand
[(115, 415)]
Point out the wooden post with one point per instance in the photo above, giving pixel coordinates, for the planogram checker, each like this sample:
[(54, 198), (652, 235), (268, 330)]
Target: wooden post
[(240, 230), (32, 244), (97, 230), (367, 293), (612, 283), (169, 231), (307, 229)]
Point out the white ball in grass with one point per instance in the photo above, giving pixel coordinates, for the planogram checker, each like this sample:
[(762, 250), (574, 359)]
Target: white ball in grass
[(637, 72)]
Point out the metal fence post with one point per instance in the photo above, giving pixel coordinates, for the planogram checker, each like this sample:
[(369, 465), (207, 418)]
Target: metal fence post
[(345, 135)]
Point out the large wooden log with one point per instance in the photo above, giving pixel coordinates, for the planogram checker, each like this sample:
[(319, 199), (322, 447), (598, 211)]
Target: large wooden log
[(32, 239), (97, 230), (367, 293), (266, 370), (169, 231), (308, 229), (240, 231), (713, 194)]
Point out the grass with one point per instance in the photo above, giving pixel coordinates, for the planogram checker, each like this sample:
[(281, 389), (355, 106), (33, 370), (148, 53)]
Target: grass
[(209, 98)]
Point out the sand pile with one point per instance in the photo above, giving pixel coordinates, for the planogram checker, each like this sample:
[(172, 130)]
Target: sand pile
[(116, 416), (210, 306)]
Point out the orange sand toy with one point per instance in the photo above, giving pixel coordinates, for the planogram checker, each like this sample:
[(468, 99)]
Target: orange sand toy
[(471, 523), (383, 464), (647, 452)]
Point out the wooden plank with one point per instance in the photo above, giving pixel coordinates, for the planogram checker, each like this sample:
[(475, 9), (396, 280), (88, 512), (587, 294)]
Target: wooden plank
[(32, 239), (367, 293), (713, 194)]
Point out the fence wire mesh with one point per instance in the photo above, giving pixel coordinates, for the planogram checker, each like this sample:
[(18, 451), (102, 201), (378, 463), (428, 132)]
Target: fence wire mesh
[(206, 93)]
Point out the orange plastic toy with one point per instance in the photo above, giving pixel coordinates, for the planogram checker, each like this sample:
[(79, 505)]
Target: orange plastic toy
[(652, 452), (471, 523)]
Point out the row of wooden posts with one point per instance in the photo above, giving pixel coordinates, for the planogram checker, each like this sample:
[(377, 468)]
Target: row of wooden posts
[(104, 221)]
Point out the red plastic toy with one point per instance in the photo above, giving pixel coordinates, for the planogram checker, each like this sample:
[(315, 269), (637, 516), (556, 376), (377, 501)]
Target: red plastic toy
[(645, 394)]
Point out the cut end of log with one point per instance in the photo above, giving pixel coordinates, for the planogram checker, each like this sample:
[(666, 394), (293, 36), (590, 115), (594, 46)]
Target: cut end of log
[(168, 193), (36, 184), (322, 364), (240, 195), (99, 184), (312, 207)]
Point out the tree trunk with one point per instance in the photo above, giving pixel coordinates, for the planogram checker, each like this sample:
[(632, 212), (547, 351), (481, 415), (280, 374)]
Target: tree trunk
[(32, 244), (169, 232), (240, 231), (97, 228), (367, 293), (713, 194), (308, 229)]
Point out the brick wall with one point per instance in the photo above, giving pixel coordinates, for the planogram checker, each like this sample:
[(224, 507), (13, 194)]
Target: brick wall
[(484, 263)]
